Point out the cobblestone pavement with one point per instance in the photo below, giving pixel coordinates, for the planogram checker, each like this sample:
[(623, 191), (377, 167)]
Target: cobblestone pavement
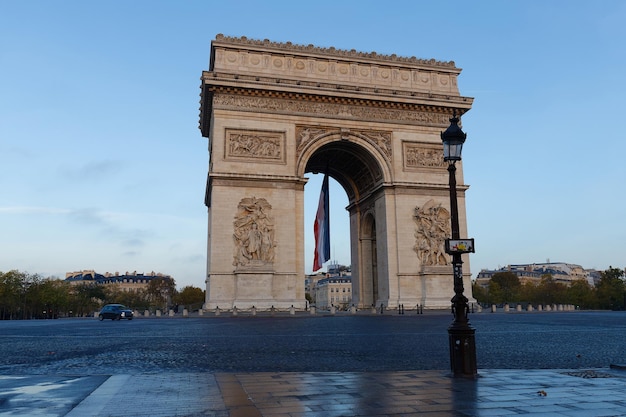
[(549, 340), (542, 364)]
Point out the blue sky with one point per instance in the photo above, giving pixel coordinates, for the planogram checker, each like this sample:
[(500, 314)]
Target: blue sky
[(102, 165)]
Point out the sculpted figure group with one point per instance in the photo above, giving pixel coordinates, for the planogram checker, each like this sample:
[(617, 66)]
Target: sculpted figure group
[(253, 232), (433, 227)]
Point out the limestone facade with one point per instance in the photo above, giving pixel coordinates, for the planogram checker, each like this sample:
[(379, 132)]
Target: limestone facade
[(273, 112)]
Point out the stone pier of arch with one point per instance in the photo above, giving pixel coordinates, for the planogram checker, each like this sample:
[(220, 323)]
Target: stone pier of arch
[(275, 112)]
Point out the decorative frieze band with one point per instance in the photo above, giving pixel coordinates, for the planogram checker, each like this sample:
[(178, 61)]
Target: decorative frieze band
[(327, 109)]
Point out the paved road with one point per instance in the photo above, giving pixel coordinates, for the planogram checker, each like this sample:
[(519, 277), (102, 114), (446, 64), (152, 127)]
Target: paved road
[(556, 340)]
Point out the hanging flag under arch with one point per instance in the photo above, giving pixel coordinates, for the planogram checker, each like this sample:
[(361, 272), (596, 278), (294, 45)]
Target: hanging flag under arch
[(321, 228)]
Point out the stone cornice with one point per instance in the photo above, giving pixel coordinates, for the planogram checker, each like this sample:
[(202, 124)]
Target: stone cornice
[(255, 177), (361, 93)]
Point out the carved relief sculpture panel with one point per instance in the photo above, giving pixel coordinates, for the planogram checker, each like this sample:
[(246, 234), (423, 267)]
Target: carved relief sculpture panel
[(253, 233), (262, 146), (433, 227), (416, 155)]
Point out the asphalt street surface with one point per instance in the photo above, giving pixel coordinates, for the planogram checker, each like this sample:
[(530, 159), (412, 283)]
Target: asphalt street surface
[(304, 343)]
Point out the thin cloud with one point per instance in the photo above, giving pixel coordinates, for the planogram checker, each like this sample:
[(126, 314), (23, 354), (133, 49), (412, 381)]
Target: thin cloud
[(33, 210), (88, 216), (134, 242), (91, 171)]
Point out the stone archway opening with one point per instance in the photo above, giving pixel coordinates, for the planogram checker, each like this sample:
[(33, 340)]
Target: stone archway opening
[(360, 175), (352, 166)]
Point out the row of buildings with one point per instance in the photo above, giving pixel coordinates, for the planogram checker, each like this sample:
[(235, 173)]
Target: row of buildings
[(561, 272), (334, 288), (127, 282)]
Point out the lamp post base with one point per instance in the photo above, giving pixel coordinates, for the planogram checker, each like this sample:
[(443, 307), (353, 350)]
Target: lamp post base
[(462, 350)]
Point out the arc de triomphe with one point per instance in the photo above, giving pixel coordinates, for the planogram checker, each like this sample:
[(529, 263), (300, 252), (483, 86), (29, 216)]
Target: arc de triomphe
[(274, 112)]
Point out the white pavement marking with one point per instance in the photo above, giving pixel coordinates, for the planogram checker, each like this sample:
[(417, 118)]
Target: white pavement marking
[(100, 398)]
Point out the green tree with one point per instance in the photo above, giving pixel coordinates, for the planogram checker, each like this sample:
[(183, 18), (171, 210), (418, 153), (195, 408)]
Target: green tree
[(135, 300), (33, 298), (480, 293), (529, 292), (610, 289), (496, 295), (48, 297), (160, 291), (509, 286), (581, 294), (549, 291), (12, 292), (87, 298), (190, 296)]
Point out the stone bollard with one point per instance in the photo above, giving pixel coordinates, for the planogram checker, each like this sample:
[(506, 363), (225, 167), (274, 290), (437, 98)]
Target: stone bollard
[(146, 313), (253, 310), (171, 313), (529, 307), (560, 307), (217, 311), (201, 312), (479, 308), (95, 314), (506, 308), (373, 309), (158, 313), (185, 312), (548, 308), (292, 310), (332, 310), (312, 309), (519, 307), (494, 308), (539, 307), (352, 309), (234, 310)]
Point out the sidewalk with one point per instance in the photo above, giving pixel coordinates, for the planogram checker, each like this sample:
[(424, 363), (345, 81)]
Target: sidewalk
[(599, 392)]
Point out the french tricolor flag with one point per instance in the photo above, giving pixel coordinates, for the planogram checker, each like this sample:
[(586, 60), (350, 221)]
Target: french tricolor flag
[(322, 228)]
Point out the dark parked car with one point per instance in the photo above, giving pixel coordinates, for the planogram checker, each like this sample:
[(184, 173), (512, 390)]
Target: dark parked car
[(115, 312)]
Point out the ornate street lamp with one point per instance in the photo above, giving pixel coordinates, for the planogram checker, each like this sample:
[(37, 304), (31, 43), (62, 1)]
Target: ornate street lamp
[(460, 333)]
